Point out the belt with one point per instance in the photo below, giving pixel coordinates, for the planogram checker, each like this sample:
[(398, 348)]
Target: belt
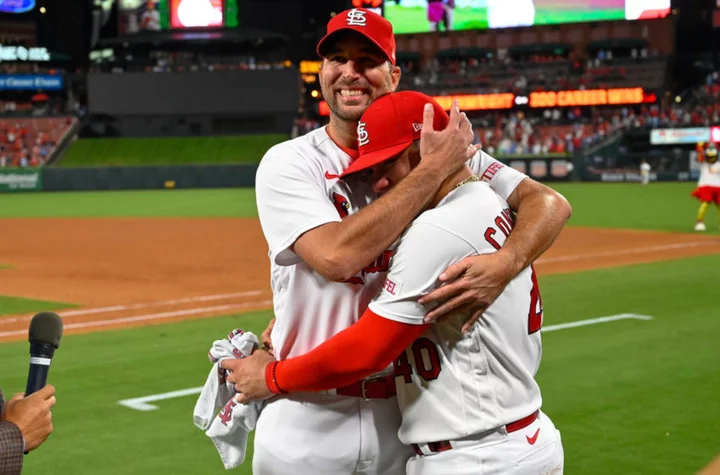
[(374, 388), (443, 445)]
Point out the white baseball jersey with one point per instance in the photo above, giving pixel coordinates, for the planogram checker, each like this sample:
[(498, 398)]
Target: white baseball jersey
[(452, 385), (709, 174), (644, 169), (150, 20), (298, 189)]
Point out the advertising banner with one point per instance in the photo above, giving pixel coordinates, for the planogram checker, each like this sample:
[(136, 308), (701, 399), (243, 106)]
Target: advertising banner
[(30, 82), (542, 168), (633, 176), (676, 136), (21, 53), (422, 16), (548, 99), (16, 6), (20, 179)]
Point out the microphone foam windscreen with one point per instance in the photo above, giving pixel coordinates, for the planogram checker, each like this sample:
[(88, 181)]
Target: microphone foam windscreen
[(46, 327)]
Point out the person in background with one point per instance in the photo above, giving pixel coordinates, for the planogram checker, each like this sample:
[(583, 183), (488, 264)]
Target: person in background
[(150, 19), (644, 172), (708, 187)]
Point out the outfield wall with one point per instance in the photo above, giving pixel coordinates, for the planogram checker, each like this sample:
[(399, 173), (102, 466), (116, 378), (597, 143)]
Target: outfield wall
[(194, 176), (544, 169), (146, 178)]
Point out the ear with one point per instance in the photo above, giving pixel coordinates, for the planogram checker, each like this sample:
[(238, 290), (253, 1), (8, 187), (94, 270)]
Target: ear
[(395, 73)]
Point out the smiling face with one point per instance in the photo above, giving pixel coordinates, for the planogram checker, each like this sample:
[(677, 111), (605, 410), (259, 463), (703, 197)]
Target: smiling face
[(354, 73)]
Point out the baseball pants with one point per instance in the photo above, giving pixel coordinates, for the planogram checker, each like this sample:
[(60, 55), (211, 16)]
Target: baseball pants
[(310, 433), (534, 450)]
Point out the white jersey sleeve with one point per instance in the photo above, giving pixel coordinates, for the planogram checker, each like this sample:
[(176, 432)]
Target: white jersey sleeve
[(423, 253), (291, 199), (502, 179)]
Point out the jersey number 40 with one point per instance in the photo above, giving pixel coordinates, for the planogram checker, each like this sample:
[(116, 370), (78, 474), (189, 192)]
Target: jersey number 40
[(425, 353), (427, 361)]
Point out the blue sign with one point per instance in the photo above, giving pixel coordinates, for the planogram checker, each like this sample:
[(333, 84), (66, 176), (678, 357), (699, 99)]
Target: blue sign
[(16, 6), (30, 83)]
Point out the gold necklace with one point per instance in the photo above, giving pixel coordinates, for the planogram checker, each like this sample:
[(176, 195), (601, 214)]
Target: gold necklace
[(467, 180)]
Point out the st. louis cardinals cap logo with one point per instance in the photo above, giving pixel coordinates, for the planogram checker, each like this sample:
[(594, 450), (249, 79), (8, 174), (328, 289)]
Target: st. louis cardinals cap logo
[(356, 17), (362, 134)]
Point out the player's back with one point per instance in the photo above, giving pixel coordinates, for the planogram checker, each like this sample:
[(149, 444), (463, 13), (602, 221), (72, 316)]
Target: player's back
[(450, 384)]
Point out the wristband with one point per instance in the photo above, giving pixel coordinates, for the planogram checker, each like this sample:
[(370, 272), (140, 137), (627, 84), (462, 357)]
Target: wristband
[(271, 379)]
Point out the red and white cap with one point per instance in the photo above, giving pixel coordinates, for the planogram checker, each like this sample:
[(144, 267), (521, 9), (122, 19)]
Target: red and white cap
[(371, 25), (390, 125)]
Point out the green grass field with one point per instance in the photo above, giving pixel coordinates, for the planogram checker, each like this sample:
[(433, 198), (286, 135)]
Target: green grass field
[(630, 396), (106, 152), (239, 202), (660, 206), (12, 305)]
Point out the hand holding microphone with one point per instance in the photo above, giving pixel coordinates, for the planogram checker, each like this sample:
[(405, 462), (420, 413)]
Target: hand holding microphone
[(30, 411), (32, 415)]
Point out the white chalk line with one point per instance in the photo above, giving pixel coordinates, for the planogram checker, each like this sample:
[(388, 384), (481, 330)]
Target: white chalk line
[(595, 321), (636, 250), (206, 298), (141, 403), (135, 306), (202, 298), (153, 316)]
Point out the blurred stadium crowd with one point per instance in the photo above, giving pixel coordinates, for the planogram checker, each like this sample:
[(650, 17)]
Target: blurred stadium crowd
[(30, 142), (32, 123)]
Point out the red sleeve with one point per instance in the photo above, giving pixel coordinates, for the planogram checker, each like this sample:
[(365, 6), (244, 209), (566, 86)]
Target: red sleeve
[(365, 348)]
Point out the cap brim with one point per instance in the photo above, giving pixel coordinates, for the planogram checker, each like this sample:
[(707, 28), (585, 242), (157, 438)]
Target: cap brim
[(324, 42), (373, 158)]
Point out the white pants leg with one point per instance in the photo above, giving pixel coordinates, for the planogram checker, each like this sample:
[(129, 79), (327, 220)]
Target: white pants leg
[(499, 453), (329, 435)]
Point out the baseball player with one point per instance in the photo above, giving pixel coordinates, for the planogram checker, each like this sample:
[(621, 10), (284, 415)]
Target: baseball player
[(328, 246), (468, 400), (644, 172), (150, 19), (708, 187)]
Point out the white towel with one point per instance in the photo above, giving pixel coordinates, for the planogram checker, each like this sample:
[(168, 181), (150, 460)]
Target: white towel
[(229, 428)]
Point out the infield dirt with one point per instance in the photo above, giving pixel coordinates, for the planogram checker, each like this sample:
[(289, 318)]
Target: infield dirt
[(130, 272)]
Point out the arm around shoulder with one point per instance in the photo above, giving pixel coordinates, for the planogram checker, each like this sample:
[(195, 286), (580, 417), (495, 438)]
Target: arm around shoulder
[(541, 214)]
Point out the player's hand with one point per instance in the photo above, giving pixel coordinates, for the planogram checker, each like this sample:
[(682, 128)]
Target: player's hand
[(32, 415), (446, 151), (265, 338), (248, 375), (471, 286)]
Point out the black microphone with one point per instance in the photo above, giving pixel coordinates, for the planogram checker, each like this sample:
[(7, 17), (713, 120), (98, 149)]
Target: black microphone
[(46, 329)]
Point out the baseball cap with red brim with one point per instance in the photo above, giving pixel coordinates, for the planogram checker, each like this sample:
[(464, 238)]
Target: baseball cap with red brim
[(371, 25), (390, 125)]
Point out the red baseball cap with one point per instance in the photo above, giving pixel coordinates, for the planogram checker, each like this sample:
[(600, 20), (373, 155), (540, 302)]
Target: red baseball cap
[(371, 25), (390, 125)]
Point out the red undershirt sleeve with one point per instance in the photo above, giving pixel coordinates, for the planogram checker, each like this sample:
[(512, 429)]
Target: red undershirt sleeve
[(365, 348)]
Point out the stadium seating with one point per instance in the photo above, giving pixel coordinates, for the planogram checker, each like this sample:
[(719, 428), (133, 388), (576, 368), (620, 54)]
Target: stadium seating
[(30, 142), (477, 71)]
